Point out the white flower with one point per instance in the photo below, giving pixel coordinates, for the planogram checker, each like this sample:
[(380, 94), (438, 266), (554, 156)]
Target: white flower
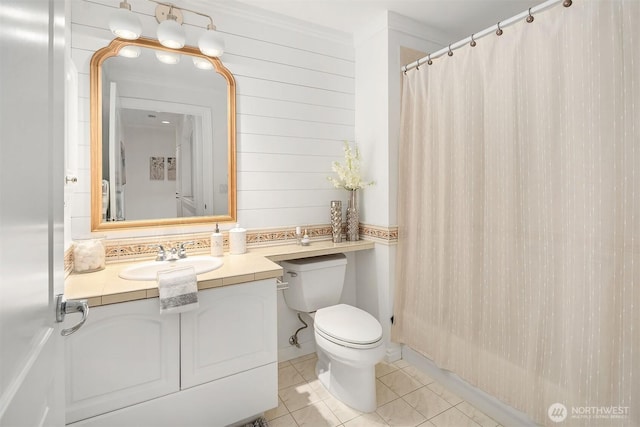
[(349, 174)]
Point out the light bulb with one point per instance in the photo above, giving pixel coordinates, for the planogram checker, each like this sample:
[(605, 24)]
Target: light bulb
[(167, 57), (202, 63), (170, 33), (211, 42), (130, 51), (124, 23)]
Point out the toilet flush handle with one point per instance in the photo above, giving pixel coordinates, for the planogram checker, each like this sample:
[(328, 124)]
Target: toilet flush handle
[(292, 273), (281, 285)]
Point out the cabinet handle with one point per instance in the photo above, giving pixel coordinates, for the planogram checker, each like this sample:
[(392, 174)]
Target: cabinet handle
[(72, 306)]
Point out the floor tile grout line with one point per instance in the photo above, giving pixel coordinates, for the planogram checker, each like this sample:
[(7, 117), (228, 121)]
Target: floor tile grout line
[(402, 397)]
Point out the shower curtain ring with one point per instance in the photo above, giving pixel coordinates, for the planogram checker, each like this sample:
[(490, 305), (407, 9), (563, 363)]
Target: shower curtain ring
[(499, 31), (450, 53), (473, 42), (530, 17), (418, 65), (429, 61)]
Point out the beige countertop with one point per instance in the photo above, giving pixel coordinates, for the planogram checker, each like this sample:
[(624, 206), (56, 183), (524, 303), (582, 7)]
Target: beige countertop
[(106, 287), (316, 248)]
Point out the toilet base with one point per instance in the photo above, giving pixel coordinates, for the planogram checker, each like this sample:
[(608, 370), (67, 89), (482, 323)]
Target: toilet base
[(351, 382)]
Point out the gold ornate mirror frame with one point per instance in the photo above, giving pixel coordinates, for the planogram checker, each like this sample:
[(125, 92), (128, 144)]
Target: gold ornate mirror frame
[(96, 139)]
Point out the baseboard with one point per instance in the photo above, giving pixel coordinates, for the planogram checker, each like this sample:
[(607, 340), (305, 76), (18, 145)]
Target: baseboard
[(494, 408), (216, 403), (394, 352)]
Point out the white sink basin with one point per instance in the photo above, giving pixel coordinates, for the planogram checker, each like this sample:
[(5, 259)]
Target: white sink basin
[(149, 270)]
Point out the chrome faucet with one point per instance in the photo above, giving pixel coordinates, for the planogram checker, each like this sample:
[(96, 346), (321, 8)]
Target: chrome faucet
[(175, 253), (182, 252), (162, 254)]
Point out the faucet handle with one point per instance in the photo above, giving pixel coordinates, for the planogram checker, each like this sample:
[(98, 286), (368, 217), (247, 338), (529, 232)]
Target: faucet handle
[(182, 252), (161, 256)]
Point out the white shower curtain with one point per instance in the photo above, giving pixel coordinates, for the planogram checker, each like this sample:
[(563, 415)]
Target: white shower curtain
[(519, 213)]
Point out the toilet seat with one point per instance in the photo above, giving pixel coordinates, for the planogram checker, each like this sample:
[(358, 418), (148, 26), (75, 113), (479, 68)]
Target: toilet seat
[(348, 326)]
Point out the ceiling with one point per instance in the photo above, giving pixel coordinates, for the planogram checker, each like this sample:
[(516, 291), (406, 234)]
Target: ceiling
[(457, 18)]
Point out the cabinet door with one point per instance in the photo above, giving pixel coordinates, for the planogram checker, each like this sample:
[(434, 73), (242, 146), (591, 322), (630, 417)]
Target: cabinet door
[(126, 353), (233, 330)]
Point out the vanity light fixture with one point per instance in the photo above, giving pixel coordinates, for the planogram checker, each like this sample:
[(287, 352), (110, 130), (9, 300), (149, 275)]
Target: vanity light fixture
[(170, 31), (125, 24), (211, 42)]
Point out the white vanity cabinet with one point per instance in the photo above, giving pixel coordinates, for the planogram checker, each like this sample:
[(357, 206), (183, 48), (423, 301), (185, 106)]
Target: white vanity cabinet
[(233, 330), (124, 354), (217, 364)]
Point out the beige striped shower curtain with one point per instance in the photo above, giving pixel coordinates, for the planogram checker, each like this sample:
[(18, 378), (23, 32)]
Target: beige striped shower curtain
[(518, 265)]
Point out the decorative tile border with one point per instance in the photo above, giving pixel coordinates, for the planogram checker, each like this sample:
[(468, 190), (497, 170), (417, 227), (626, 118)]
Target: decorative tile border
[(143, 247), (388, 235)]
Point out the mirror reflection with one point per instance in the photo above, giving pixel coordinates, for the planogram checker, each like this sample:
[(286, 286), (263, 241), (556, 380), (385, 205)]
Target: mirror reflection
[(164, 134)]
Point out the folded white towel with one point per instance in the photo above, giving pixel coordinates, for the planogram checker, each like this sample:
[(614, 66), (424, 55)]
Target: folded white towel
[(178, 290)]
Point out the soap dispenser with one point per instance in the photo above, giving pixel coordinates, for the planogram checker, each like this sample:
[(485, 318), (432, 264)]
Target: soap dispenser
[(305, 239), (217, 248), (237, 240)]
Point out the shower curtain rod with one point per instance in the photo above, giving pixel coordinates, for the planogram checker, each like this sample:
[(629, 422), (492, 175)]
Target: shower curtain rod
[(498, 27)]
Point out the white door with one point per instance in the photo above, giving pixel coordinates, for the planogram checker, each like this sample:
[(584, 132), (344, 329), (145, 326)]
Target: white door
[(31, 211)]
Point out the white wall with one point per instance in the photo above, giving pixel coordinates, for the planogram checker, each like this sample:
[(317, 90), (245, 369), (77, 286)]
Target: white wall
[(159, 195), (377, 119), (295, 99)]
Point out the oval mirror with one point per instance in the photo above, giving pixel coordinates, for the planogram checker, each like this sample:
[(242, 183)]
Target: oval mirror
[(163, 137)]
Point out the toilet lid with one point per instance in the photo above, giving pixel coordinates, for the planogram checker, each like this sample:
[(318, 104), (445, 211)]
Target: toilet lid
[(348, 324)]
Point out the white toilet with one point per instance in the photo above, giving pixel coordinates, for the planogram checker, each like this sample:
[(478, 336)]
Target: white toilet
[(348, 340)]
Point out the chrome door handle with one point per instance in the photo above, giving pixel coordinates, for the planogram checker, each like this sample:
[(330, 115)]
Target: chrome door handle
[(72, 306)]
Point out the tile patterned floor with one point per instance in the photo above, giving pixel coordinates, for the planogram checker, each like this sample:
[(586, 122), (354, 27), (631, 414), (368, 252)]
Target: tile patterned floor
[(406, 397)]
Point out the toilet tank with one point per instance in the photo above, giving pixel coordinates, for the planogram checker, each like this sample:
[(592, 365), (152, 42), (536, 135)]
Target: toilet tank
[(314, 282)]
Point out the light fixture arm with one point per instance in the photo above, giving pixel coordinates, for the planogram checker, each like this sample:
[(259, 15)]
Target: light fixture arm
[(170, 15), (171, 7)]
